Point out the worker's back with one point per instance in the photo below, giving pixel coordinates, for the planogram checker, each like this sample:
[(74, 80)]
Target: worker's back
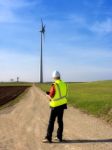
[(60, 94)]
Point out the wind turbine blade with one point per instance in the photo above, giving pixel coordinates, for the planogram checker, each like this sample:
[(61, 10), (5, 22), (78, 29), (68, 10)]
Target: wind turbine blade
[(42, 23), (43, 29), (44, 32)]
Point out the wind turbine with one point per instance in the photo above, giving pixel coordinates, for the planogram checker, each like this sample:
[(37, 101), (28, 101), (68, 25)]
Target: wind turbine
[(42, 31)]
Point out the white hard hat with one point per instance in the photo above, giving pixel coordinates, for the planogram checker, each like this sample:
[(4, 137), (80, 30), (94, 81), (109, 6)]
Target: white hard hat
[(55, 74)]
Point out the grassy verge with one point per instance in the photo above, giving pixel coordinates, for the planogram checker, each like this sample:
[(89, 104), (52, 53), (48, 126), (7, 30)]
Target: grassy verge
[(15, 84), (44, 86), (94, 98)]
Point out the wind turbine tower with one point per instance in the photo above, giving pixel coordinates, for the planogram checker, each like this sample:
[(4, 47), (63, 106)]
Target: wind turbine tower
[(42, 31)]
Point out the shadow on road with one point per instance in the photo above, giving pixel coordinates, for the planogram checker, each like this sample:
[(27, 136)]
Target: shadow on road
[(87, 141)]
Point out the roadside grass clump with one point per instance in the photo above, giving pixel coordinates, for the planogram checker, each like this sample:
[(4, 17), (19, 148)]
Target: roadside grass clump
[(44, 86)]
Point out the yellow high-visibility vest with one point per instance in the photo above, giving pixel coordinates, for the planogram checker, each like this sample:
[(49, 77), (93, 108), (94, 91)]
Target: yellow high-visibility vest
[(60, 94)]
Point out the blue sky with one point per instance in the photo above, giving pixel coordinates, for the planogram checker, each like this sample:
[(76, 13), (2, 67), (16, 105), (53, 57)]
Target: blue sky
[(78, 39)]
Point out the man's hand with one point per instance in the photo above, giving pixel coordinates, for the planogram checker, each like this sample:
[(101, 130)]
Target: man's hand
[(48, 97), (47, 93)]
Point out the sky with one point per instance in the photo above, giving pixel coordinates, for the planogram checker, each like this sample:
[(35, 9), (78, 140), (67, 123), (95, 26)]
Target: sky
[(78, 39)]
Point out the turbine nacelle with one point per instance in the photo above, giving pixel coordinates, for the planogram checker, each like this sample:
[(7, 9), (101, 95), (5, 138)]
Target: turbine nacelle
[(42, 28)]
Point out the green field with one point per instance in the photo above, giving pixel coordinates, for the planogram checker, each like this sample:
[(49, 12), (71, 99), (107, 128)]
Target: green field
[(94, 97)]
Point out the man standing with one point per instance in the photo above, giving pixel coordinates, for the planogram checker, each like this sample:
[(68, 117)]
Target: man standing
[(58, 102)]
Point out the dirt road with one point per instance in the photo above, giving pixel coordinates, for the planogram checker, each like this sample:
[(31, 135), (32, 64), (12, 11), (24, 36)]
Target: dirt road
[(23, 126)]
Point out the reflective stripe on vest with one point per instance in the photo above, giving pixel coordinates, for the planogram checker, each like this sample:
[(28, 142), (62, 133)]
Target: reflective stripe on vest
[(60, 94), (56, 99)]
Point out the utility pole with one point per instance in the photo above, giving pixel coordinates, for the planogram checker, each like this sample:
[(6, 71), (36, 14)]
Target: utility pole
[(17, 79), (42, 31)]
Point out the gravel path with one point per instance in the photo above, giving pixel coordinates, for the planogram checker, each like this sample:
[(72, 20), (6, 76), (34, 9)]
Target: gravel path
[(23, 127)]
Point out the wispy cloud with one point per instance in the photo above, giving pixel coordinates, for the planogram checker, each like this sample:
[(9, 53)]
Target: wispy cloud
[(8, 7), (88, 53), (102, 27), (77, 19), (96, 3), (99, 4), (7, 16), (18, 4)]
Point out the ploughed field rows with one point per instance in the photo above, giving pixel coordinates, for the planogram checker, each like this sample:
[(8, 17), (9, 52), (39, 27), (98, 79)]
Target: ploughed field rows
[(8, 93)]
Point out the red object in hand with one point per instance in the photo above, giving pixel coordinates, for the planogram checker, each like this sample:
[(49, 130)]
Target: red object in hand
[(52, 91)]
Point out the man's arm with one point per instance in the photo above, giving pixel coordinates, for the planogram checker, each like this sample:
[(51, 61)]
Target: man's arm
[(51, 93)]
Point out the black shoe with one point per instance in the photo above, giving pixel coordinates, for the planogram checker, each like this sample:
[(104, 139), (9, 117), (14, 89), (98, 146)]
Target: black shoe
[(46, 140)]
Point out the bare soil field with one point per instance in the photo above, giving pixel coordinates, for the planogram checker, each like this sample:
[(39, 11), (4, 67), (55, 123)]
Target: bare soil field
[(8, 93)]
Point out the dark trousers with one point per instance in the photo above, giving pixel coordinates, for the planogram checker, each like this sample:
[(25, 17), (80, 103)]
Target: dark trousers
[(56, 112)]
